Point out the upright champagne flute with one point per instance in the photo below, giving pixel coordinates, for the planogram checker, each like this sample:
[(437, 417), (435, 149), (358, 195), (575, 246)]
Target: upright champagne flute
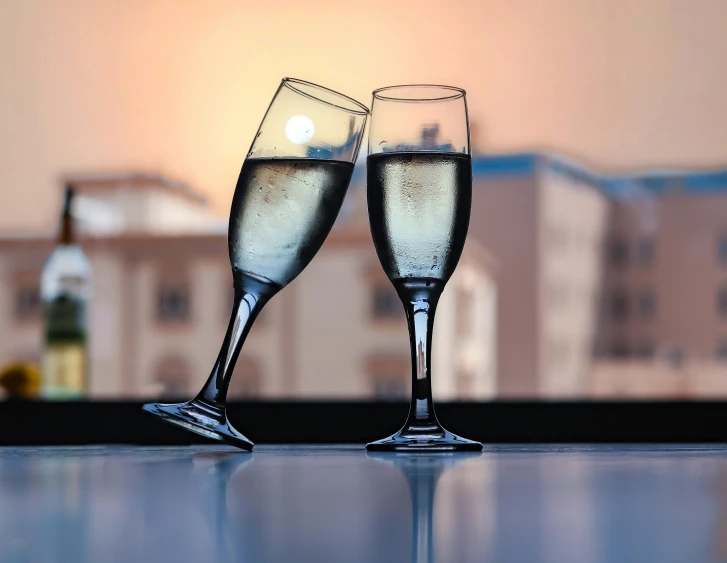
[(288, 195), (419, 186)]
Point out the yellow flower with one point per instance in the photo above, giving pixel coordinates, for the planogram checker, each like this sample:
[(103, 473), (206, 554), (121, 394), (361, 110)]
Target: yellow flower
[(20, 380)]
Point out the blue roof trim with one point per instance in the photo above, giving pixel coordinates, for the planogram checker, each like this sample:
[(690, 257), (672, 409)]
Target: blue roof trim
[(706, 182), (518, 164), (621, 186)]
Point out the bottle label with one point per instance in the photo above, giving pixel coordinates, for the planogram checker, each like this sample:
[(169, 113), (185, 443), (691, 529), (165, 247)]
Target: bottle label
[(64, 371), (65, 318)]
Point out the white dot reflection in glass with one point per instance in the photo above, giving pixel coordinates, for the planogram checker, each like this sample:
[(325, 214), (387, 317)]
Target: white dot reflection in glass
[(299, 129)]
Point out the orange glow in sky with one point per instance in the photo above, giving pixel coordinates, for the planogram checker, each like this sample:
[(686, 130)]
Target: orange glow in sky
[(179, 87)]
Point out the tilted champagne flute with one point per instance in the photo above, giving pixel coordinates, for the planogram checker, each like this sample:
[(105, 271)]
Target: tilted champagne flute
[(419, 186), (288, 195)]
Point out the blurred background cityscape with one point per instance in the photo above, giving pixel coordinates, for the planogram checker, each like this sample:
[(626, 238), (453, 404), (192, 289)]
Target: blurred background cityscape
[(596, 264)]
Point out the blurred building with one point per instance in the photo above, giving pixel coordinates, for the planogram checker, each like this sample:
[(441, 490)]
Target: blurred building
[(608, 286), (545, 227), (665, 300), (162, 295)]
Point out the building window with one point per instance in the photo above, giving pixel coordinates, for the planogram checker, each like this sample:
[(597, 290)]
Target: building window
[(620, 350), (27, 303), (722, 301), (465, 313), (620, 305), (722, 248), (646, 304), (173, 302), (619, 252), (385, 303), (645, 350), (390, 377), (175, 388), (722, 351), (646, 251), (675, 357), (390, 387), (172, 375)]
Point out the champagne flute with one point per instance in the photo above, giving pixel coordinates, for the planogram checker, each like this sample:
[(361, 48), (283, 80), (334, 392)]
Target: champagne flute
[(419, 186), (288, 195)]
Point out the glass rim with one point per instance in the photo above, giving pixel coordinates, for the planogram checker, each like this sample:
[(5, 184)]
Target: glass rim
[(300, 86), (452, 93)]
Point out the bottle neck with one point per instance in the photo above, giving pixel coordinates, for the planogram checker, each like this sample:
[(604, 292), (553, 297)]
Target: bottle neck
[(67, 235)]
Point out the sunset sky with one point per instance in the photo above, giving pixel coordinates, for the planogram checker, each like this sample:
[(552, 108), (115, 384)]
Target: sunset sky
[(179, 86)]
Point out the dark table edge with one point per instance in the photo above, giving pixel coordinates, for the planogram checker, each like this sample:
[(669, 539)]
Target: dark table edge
[(30, 423)]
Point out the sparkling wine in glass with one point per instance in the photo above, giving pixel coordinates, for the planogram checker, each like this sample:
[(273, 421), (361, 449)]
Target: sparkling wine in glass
[(419, 188), (288, 195)]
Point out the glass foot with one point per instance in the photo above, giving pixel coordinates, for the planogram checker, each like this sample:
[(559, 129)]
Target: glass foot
[(425, 441), (200, 418)]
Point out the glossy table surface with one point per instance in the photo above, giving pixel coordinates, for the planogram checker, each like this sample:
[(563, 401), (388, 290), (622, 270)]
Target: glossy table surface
[(559, 504)]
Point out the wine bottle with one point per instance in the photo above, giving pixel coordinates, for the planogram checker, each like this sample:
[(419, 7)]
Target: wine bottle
[(65, 291)]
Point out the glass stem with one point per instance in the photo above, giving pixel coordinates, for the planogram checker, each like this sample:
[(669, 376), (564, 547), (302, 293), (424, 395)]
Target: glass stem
[(420, 304), (248, 304)]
